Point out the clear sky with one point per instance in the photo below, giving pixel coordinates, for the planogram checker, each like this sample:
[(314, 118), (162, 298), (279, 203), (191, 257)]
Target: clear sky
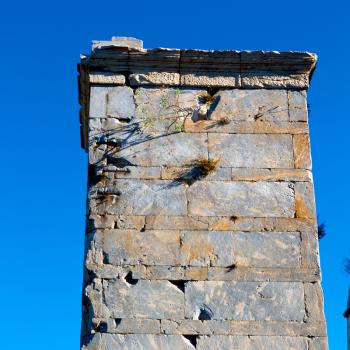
[(43, 168)]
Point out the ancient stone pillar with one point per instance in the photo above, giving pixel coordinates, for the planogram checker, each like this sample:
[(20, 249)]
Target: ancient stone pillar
[(201, 226)]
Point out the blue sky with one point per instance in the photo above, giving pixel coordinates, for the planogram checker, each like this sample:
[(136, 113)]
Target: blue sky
[(44, 170)]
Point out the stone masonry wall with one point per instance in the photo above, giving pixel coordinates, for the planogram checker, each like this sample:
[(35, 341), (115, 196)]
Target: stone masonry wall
[(201, 230)]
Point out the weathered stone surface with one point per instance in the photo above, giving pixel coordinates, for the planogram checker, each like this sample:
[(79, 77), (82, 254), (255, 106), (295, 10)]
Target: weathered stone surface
[(258, 224), (254, 174), (219, 174), (246, 301), (230, 273), (146, 197), (207, 79), (274, 81), (274, 199), (135, 247), (314, 302), (318, 343), (144, 299), (223, 327), (297, 106), (302, 156), (230, 257), (144, 341), (116, 102), (240, 249), (154, 78), (172, 150), (263, 274), (251, 343), (229, 125), (106, 78), (135, 326), (136, 172), (162, 110), (201, 248), (250, 105), (305, 200), (175, 222), (259, 151)]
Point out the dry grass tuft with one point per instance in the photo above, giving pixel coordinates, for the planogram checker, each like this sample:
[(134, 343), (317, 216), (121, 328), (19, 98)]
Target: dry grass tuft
[(207, 166)]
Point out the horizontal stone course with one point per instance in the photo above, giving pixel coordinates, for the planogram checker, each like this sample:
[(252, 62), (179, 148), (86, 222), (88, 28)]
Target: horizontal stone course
[(201, 248), (224, 327)]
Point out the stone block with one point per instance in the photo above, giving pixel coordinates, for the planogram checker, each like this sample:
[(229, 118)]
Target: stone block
[(106, 78), (250, 105), (219, 174), (137, 172), (256, 199), (154, 78), (251, 343), (246, 301), (302, 155), (205, 79), (164, 110), (144, 341), (112, 101), (146, 197), (305, 201), (143, 299), (175, 223), (247, 328), (254, 174), (240, 249), (248, 224), (135, 326), (297, 106), (229, 125), (318, 343), (148, 248), (255, 151), (172, 150), (271, 80)]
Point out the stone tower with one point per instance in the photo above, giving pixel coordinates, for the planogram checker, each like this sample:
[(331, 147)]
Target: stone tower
[(201, 226)]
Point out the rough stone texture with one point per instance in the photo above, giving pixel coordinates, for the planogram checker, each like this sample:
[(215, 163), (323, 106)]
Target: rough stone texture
[(251, 343), (251, 105), (171, 150), (217, 248), (154, 78), (142, 342), (144, 198), (201, 228), (274, 199), (144, 299), (274, 81), (297, 106), (210, 80), (107, 78), (302, 156), (248, 151), (246, 301)]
